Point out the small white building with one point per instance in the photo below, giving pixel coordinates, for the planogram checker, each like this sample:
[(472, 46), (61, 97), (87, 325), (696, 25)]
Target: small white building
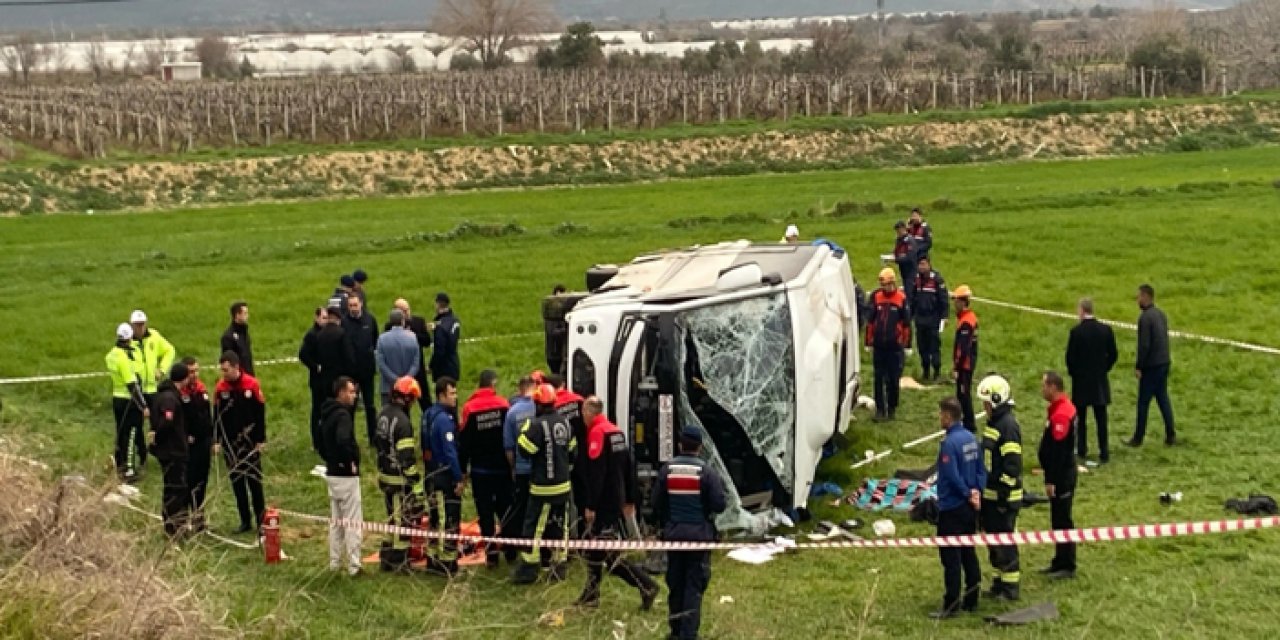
[(180, 71)]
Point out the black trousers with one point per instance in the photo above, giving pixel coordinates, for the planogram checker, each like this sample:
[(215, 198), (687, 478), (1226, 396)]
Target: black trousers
[(513, 522), (318, 396), (888, 364), (929, 344), (962, 520), (1154, 384), (688, 574), (130, 444), (447, 550), (175, 501), (199, 459), (404, 509), (545, 519), (368, 395), (964, 393), (245, 469), (1005, 561), (1082, 444), (609, 527), (492, 494), (1064, 557)]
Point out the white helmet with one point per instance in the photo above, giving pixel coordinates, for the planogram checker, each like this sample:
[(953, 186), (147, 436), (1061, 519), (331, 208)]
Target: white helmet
[(996, 390)]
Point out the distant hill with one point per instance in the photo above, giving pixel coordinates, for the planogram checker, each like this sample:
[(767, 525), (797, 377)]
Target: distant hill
[(330, 14)]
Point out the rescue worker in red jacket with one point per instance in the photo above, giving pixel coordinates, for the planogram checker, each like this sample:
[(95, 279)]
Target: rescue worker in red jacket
[(240, 415), (481, 452), (610, 496), (905, 252), (888, 335), (927, 296), (965, 354), (198, 415), (919, 229), (1057, 458)]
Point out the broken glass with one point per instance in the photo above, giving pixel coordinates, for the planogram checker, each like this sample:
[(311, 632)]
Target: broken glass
[(744, 352)]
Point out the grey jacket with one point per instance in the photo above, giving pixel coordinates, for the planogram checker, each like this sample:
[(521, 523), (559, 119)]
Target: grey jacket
[(398, 356), (1153, 339)]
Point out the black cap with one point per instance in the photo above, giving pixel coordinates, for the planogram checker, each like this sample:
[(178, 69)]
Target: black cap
[(900, 225), (179, 372), (359, 276), (442, 298), (691, 433), (915, 209), (347, 281)]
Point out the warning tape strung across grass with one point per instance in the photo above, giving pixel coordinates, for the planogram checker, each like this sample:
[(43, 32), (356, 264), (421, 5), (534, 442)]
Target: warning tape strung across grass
[(1133, 327), (1090, 535), (103, 374)]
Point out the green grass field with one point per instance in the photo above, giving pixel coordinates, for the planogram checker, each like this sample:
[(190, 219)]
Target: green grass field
[(1199, 226)]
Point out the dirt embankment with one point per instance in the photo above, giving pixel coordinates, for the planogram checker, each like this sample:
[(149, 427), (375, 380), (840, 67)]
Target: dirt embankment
[(347, 174)]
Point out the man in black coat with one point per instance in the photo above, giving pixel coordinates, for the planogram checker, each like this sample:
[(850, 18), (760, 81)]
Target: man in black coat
[(362, 333), (1152, 367), (330, 359), (236, 338), (447, 332), (307, 356), (169, 445), (1091, 352)]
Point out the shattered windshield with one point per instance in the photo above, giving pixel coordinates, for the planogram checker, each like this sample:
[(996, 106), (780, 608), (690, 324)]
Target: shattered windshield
[(740, 356)]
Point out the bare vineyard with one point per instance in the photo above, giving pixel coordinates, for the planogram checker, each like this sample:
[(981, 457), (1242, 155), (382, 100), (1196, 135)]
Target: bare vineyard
[(151, 116)]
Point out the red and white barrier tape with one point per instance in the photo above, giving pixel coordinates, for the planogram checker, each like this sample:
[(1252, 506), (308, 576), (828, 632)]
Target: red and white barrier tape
[(1090, 535), (102, 374)]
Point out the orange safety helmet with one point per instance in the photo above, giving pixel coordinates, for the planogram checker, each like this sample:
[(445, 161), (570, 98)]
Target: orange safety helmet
[(538, 376), (544, 394), (408, 387), (962, 291)]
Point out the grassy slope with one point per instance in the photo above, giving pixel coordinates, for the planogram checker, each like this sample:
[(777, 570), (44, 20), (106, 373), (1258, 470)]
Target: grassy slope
[(1046, 241)]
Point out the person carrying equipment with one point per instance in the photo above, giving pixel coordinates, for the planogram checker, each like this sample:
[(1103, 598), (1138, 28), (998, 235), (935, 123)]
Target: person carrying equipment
[(444, 473), (1002, 440), (399, 476), (549, 442), (888, 334), (128, 405), (687, 496), (964, 357)]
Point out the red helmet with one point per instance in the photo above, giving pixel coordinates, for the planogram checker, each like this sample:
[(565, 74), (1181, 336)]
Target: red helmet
[(544, 394), (408, 387)]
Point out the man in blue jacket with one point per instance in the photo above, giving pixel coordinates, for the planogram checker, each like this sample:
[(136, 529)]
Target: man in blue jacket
[(444, 470), (522, 410), (398, 354), (961, 478), (446, 332)]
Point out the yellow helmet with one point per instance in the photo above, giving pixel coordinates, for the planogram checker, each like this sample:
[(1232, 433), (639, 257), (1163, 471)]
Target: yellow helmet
[(995, 389), (962, 291)]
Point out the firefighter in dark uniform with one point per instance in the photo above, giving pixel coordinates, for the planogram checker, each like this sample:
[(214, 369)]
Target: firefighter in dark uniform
[(241, 425), (1057, 458), (687, 496), (168, 438), (919, 229), (399, 477), (930, 305), (888, 334), (484, 458), (610, 496), (444, 472), (569, 405), (549, 442), (964, 356), (1002, 439), (905, 252)]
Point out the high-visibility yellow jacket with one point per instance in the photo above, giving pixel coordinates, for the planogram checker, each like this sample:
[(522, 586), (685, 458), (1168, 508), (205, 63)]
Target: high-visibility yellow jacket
[(157, 357), (125, 366)]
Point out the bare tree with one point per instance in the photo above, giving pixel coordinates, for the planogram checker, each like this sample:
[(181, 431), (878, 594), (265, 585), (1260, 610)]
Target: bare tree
[(155, 53), (1121, 34), (216, 57), (1254, 25), (23, 56), (1161, 18), (56, 59), (492, 28), (95, 57)]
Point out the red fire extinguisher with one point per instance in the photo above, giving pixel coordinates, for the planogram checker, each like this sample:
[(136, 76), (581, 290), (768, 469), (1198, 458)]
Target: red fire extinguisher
[(417, 544), (271, 535)]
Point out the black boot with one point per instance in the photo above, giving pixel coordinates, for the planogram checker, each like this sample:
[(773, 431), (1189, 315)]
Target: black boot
[(524, 573), (590, 597), (997, 589)]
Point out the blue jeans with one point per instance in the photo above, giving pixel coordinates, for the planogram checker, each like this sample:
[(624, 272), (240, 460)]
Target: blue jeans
[(1154, 384)]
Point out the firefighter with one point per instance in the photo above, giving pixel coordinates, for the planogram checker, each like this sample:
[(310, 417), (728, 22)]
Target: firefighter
[(549, 442), (157, 358), (168, 440), (444, 472), (961, 478), (240, 412), (129, 406), (930, 306), (609, 497), (569, 405), (485, 459), (1057, 458), (197, 415), (1002, 439), (919, 229), (905, 252), (399, 477), (687, 496), (964, 356), (888, 334)]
